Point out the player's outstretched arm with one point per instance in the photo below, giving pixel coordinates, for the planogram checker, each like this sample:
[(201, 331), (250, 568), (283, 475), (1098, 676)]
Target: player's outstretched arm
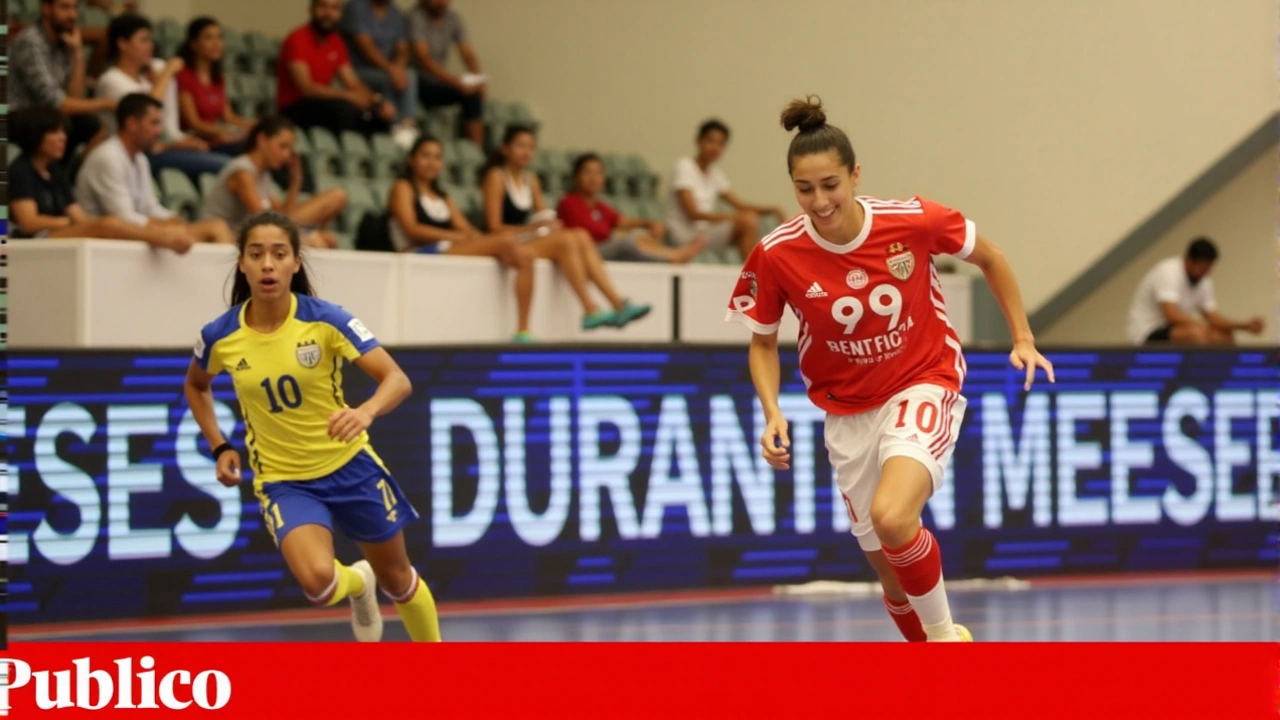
[(766, 375), (198, 389), (988, 257), (393, 388)]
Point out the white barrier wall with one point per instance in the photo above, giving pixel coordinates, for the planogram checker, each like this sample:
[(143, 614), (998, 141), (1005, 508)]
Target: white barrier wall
[(108, 294)]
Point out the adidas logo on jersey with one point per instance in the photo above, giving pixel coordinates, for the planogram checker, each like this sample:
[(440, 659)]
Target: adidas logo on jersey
[(815, 291), (244, 365)]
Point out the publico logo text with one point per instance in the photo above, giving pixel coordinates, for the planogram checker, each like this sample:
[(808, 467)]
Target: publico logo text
[(122, 684)]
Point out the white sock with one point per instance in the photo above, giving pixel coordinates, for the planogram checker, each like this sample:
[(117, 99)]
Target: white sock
[(935, 613)]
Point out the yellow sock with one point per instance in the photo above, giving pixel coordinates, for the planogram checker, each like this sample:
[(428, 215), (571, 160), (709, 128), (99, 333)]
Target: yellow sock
[(418, 612), (347, 583)]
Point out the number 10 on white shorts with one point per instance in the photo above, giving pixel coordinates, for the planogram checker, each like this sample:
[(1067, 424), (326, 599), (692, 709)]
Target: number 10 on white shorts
[(921, 422)]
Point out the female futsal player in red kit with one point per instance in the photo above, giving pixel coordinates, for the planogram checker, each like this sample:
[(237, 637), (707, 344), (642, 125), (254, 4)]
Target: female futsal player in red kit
[(877, 353)]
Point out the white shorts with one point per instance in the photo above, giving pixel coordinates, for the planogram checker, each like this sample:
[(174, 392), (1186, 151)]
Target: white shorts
[(719, 235), (921, 422)]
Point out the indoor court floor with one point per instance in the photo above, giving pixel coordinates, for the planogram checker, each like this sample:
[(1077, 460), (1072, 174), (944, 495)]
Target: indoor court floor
[(1238, 607)]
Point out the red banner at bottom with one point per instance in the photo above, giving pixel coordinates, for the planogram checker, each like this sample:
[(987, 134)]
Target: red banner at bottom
[(1021, 681)]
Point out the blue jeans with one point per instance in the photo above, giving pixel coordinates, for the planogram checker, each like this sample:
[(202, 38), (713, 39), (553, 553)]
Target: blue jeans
[(406, 102), (191, 163)]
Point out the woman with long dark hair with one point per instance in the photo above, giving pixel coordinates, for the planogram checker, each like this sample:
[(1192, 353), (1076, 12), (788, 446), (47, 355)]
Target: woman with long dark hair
[(425, 219), (309, 451), (246, 186), (202, 90), (513, 202)]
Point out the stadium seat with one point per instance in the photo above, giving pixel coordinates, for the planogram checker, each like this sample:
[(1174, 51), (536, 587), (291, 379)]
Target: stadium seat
[(643, 179), (468, 158), (381, 189), (360, 200), (237, 96), (325, 153), (234, 54), (626, 207), (387, 156), (89, 16), (356, 159), (273, 52), (256, 50), (552, 199), (179, 194), (651, 209), (207, 181)]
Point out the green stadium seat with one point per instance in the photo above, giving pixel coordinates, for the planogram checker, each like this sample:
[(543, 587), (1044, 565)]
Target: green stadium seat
[(257, 51), (644, 180), (325, 153), (381, 189), (179, 194), (387, 156), (626, 207), (357, 156), (88, 17), (360, 200), (468, 158), (207, 181), (168, 29)]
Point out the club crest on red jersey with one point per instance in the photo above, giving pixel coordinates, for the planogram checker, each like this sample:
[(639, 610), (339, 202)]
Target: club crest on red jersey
[(308, 354), (857, 278), (900, 261)]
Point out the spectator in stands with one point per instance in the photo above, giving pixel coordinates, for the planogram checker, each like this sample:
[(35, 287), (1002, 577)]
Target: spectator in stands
[(311, 57), (616, 237), (378, 44), (434, 29), (47, 69), (245, 186), (696, 185), (426, 220), (513, 202), (1168, 301), (135, 69), (202, 90), (116, 177), (42, 203), (95, 33)]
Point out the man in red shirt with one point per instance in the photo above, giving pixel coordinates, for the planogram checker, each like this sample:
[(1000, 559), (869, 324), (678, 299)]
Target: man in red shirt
[(311, 57)]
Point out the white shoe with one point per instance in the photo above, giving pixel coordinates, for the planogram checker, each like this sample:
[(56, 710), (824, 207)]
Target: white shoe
[(366, 616), (404, 136)]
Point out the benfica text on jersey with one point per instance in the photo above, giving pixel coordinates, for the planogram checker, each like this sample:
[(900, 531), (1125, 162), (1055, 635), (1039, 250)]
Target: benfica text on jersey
[(872, 318)]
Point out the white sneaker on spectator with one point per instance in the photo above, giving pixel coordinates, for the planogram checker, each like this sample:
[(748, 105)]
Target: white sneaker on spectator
[(404, 135)]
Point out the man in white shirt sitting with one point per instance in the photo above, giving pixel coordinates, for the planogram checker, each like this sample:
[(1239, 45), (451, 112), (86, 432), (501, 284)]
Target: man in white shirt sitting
[(115, 179), (134, 69), (1175, 295)]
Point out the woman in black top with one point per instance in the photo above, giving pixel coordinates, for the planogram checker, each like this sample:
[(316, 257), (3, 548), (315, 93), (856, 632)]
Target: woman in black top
[(41, 201), (425, 219), (512, 198)]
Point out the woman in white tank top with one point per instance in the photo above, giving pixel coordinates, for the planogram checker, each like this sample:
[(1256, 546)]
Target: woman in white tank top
[(424, 219), (513, 203)]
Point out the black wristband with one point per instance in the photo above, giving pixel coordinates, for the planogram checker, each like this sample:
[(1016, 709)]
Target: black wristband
[(224, 447)]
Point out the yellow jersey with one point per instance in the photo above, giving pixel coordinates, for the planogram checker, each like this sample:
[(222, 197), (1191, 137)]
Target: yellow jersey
[(289, 383)]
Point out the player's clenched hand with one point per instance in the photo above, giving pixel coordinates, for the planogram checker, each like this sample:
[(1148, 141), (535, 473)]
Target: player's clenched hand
[(776, 444), (229, 468), (1026, 357), (347, 424)]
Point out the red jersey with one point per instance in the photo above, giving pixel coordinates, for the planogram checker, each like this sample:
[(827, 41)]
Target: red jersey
[(210, 99), (324, 56), (872, 317), (596, 217)]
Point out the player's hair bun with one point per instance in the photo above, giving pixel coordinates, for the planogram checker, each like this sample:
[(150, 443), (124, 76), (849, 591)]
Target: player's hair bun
[(805, 114)]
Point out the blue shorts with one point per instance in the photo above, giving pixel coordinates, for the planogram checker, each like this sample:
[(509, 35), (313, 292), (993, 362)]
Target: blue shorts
[(361, 497)]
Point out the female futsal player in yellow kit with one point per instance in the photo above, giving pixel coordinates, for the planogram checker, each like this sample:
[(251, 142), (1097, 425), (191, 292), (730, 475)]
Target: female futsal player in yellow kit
[(312, 463)]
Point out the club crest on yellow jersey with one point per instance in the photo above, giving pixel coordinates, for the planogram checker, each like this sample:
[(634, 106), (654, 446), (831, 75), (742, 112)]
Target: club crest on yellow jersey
[(308, 353)]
